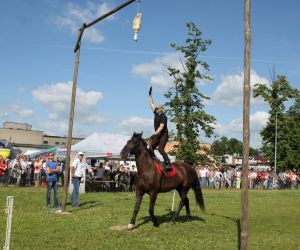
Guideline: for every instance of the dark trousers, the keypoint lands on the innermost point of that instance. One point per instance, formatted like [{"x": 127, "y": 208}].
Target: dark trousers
[{"x": 161, "y": 142}]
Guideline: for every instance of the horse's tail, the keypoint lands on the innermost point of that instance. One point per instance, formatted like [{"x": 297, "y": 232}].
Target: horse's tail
[{"x": 198, "y": 194}]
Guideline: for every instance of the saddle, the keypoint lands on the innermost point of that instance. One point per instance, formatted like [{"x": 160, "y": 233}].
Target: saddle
[{"x": 161, "y": 171}]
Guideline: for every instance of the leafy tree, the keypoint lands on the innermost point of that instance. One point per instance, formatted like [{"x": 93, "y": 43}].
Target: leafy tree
[
  {"x": 185, "y": 105},
  {"x": 277, "y": 95},
  {"x": 289, "y": 142},
  {"x": 231, "y": 146}
]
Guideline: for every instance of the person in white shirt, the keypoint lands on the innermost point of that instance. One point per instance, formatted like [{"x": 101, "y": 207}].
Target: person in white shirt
[
  {"x": 77, "y": 169},
  {"x": 203, "y": 177},
  {"x": 107, "y": 166}
]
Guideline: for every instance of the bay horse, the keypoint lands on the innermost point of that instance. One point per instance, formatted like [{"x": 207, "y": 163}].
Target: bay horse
[{"x": 148, "y": 180}]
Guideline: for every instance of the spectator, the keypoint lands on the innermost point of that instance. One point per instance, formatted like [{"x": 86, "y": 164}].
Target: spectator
[
  {"x": 238, "y": 178},
  {"x": 203, "y": 177},
  {"x": 133, "y": 172},
  {"x": 52, "y": 169},
  {"x": 89, "y": 171},
  {"x": 217, "y": 178},
  {"x": 107, "y": 166},
  {"x": 100, "y": 171},
  {"x": 294, "y": 179},
  {"x": 77, "y": 169},
  {"x": 38, "y": 165},
  {"x": 16, "y": 170},
  {"x": 62, "y": 172},
  {"x": 124, "y": 179},
  {"x": 3, "y": 167}
]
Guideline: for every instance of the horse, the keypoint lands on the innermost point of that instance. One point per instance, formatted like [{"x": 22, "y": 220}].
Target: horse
[{"x": 148, "y": 180}]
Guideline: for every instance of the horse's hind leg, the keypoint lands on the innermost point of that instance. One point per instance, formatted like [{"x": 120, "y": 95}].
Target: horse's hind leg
[
  {"x": 153, "y": 197},
  {"x": 186, "y": 204},
  {"x": 187, "y": 208},
  {"x": 182, "y": 202}
]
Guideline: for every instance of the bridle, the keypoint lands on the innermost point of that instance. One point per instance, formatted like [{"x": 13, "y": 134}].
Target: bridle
[{"x": 131, "y": 146}]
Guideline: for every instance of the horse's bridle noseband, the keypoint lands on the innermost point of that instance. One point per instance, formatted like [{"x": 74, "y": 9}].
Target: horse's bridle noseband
[{"x": 131, "y": 149}]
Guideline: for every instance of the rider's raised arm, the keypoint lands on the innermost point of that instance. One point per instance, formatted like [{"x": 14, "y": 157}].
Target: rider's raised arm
[
  {"x": 151, "y": 103},
  {"x": 151, "y": 100}
]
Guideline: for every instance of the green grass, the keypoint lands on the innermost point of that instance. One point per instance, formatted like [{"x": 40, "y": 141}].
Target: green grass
[{"x": 274, "y": 221}]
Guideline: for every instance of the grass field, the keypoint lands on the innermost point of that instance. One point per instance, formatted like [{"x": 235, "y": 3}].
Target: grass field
[{"x": 274, "y": 221}]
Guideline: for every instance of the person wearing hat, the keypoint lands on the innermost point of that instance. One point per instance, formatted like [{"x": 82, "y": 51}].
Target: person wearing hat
[
  {"x": 160, "y": 137},
  {"x": 77, "y": 169}
]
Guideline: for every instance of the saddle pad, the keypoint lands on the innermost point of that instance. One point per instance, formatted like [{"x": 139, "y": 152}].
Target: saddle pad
[{"x": 161, "y": 172}]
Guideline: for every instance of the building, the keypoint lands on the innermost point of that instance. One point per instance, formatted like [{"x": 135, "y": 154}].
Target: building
[
  {"x": 172, "y": 146},
  {"x": 257, "y": 162},
  {"x": 21, "y": 135}
]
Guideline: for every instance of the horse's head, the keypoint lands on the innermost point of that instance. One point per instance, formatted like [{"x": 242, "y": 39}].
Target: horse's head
[{"x": 131, "y": 146}]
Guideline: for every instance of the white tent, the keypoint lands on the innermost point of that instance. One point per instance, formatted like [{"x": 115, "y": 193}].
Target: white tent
[{"x": 101, "y": 145}]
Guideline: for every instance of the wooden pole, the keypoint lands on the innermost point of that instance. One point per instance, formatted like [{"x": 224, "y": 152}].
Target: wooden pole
[
  {"x": 71, "y": 119},
  {"x": 246, "y": 130},
  {"x": 74, "y": 87}
]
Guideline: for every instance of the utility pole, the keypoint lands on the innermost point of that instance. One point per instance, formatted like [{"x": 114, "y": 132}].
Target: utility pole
[
  {"x": 275, "y": 153},
  {"x": 246, "y": 129},
  {"x": 74, "y": 87}
]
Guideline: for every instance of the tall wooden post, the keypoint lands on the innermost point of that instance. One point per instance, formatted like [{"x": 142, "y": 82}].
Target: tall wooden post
[
  {"x": 246, "y": 130},
  {"x": 70, "y": 131},
  {"x": 74, "y": 88}
]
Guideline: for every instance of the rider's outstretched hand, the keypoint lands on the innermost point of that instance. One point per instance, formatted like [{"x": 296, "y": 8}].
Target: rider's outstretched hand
[{"x": 150, "y": 91}]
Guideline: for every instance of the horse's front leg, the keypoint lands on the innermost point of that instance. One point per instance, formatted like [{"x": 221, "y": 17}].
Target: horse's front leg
[
  {"x": 153, "y": 197},
  {"x": 138, "y": 200}
]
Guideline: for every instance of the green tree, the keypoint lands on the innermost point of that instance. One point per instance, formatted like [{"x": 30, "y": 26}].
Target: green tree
[
  {"x": 185, "y": 105},
  {"x": 231, "y": 146},
  {"x": 276, "y": 95},
  {"x": 289, "y": 142}
]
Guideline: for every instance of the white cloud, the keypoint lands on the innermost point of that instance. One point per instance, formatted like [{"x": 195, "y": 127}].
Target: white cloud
[
  {"x": 55, "y": 127},
  {"x": 234, "y": 128},
  {"x": 20, "y": 112},
  {"x": 137, "y": 124},
  {"x": 56, "y": 98},
  {"x": 155, "y": 72},
  {"x": 25, "y": 113},
  {"x": 230, "y": 90},
  {"x": 75, "y": 15},
  {"x": 3, "y": 114},
  {"x": 258, "y": 121}
]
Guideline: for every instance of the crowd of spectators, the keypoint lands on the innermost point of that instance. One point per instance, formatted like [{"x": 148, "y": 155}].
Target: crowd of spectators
[
  {"x": 104, "y": 178},
  {"x": 25, "y": 172},
  {"x": 229, "y": 177}
]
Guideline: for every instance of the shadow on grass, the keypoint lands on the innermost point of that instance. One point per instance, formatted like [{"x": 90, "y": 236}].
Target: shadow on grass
[
  {"x": 167, "y": 219},
  {"x": 85, "y": 205},
  {"x": 236, "y": 221}
]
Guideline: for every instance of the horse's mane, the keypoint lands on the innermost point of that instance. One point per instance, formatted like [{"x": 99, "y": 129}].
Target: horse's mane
[{"x": 144, "y": 142}]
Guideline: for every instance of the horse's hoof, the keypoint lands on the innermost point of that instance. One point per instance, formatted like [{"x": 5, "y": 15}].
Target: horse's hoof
[
  {"x": 156, "y": 224},
  {"x": 130, "y": 226}
]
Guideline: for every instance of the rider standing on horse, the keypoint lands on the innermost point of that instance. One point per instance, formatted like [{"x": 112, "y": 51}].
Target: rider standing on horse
[{"x": 160, "y": 136}]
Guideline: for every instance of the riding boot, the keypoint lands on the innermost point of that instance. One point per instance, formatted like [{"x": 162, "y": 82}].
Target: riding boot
[{"x": 168, "y": 166}]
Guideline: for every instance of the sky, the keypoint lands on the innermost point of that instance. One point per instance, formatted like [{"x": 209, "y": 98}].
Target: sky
[{"x": 115, "y": 72}]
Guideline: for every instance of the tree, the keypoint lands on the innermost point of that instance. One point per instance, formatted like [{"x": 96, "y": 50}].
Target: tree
[
  {"x": 289, "y": 142},
  {"x": 230, "y": 146},
  {"x": 185, "y": 105},
  {"x": 277, "y": 95}
]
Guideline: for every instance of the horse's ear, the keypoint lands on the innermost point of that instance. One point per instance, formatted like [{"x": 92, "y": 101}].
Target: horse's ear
[{"x": 141, "y": 133}]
